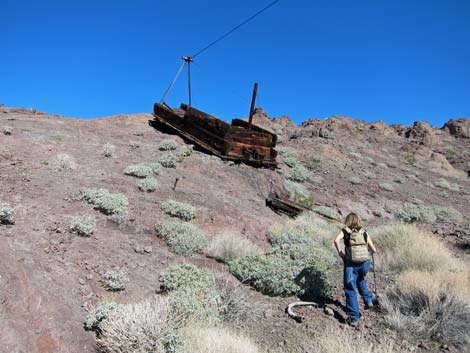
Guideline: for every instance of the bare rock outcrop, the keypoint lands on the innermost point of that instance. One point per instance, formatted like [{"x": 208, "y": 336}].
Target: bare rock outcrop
[{"x": 458, "y": 128}]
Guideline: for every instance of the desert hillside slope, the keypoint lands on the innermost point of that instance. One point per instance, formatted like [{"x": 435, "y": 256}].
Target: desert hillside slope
[{"x": 50, "y": 277}]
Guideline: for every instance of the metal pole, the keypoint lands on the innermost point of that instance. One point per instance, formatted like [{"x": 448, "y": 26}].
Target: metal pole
[
  {"x": 253, "y": 100},
  {"x": 173, "y": 83},
  {"x": 189, "y": 60}
]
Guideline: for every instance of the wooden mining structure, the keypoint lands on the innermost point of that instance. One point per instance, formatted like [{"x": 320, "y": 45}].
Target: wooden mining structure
[{"x": 240, "y": 141}]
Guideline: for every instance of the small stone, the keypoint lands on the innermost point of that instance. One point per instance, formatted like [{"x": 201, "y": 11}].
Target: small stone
[
  {"x": 139, "y": 249},
  {"x": 81, "y": 281},
  {"x": 328, "y": 311},
  {"x": 141, "y": 264},
  {"x": 89, "y": 277},
  {"x": 148, "y": 249}
]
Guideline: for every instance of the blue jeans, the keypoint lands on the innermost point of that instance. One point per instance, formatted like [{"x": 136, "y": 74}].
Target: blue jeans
[{"x": 355, "y": 275}]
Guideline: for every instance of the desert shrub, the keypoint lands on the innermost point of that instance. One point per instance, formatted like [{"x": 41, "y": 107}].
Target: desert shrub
[
  {"x": 101, "y": 312},
  {"x": 63, "y": 162},
  {"x": 357, "y": 155},
  {"x": 6, "y": 213},
  {"x": 355, "y": 180},
  {"x": 137, "y": 328},
  {"x": 168, "y": 161},
  {"x": 139, "y": 132},
  {"x": 138, "y": 170},
  {"x": 444, "y": 184},
  {"x": 327, "y": 212},
  {"x": 134, "y": 144},
  {"x": 217, "y": 340},
  {"x": 182, "y": 210},
  {"x": 311, "y": 161},
  {"x": 106, "y": 202},
  {"x": 114, "y": 280},
  {"x": 7, "y": 130},
  {"x": 291, "y": 161},
  {"x": 155, "y": 166},
  {"x": 447, "y": 214},
  {"x": 405, "y": 246},
  {"x": 295, "y": 189},
  {"x": 229, "y": 246},
  {"x": 192, "y": 293},
  {"x": 288, "y": 152},
  {"x": 182, "y": 238},
  {"x": 107, "y": 150},
  {"x": 296, "y": 264},
  {"x": 415, "y": 212},
  {"x": 168, "y": 145},
  {"x": 148, "y": 184},
  {"x": 83, "y": 225},
  {"x": 299, "y": 173},
  {"x": 386, "y": 186},
  {"x": 431, "y": 305},
  {"x": 184, "y": 152}
]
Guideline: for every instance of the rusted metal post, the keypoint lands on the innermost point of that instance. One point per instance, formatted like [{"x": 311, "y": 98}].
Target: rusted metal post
[
  {"x": 176, "y": 182},
  {"x": 253, "y": 100}
]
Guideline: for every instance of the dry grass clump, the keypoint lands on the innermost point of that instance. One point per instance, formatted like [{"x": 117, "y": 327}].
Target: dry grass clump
[
  {"x": 106, "y": 202},
  {"x": 148, "y": 184},
  {"x": 229, "y": 246},
  {"x": 216, "y": 340},
  {"x": 351, "y": 341},
  {"x": 405, "y": 246},
  {"x": 184, "y": 152},
  {"x": 386, "y": 187},
  {"x": 6, "y": 213},
  {"x": 7, "y": 130},
  {"x": 137, "y": 328},
  {"x": 64, "y": 162},
  {"x": 182, "y": 238},
  {"x": 182, "y": 210},
  {"x": 101, "y": 312},
  {"x": 298, "y": 193},
  {"x": 134, "y": 144},
  {"x": 444, "y": 184},
  {"x": 327, "y": 212},
  {"x": 84, "y": 225},
  {"x": 431, "y": 305}
]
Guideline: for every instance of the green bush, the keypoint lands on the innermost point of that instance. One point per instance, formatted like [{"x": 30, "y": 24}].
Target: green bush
[
  {"x": 192, "y": 293},
  {"x": 386, "y": 186},
  {"x": 291, "y": 161},
  {"x": 168, "y": 161},
  {"x": 298, "y": 193},
  {"x": 184, "y": 152},
  {"x": 327, "y": 212},
  {"x": 107, "y": 150},
  {"x": 182, "y": 238},
  {"x": 134, "y": 144},
  {"x": 148, "y": 184},
  {"x": 114, "y": 280},
  {"x": 416, "y": 212},
  {"x": 447, "y": 214},
  {"x": 444, "y": 184},
  {"x": 288, "y": 152},
  {"x": 139, "y": 132},
  {"x": 6, "y": 213},
  {"x": 106, "y": 202},
  {"x": 311, "y": 161},
  {"x": 102, "y": 312},
  {"x": 168, "y": 145},
  {"x": 83, "y": 225},
  {"x": 355, "y": 180},
  {"x": 182, "y": 210},
  {"x": 296, "y": 264},
  {"x": 7, "y": 130},
  {"x": 299, "y": 173},
  {"x": 155, "y": 166},
  {"x": 138, "y": 170}
]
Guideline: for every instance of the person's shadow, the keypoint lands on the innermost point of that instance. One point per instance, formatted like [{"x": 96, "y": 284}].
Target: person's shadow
[{"x": 313, "y": 284}]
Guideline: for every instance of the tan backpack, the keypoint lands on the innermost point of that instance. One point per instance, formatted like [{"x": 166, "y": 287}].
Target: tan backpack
[{"x": 355, "y": 241}]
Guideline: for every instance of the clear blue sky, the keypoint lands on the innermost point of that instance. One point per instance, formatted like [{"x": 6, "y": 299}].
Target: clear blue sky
[{"x": 398, "y": 61}]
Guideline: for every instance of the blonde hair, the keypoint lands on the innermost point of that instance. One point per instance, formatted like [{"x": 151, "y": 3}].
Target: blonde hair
[{"x": 353, "y": 221}]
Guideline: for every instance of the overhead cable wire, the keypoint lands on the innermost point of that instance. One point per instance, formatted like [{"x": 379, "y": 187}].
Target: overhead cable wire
[{"x": 235, "y": 28}]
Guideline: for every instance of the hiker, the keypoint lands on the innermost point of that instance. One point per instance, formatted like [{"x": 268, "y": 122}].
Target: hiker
[{"x": 356, "y": 259}]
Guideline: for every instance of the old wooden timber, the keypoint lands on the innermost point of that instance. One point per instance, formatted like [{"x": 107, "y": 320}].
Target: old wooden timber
[{"x": 241, "y": 141}]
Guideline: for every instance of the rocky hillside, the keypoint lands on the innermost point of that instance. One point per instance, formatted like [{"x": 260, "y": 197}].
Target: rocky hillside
[{"x": 50, "y": 277}]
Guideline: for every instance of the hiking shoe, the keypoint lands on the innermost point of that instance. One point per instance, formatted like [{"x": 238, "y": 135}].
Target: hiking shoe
[
  {"x": 352, "y": 323},
  {"x": 369, "y": 305}
]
